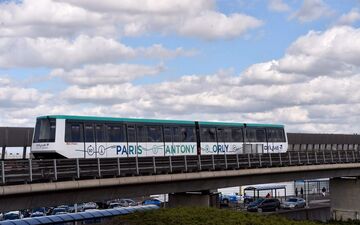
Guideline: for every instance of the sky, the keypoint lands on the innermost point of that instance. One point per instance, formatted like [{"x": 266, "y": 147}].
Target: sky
[{"x": 292, "y": 62}]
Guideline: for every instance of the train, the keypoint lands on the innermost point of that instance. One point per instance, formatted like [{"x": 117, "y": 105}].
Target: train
[{"x": 66, "y": 136}]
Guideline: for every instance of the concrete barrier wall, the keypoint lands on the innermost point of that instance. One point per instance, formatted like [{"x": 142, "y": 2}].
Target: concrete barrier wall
[{"x": 316, "y": 213}]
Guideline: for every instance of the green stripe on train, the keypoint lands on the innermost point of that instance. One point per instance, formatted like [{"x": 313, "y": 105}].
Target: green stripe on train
[{"x": 139, "y": 120}]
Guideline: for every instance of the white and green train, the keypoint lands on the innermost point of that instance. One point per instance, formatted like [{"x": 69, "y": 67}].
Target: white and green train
[{"x": 62, "y": 136}]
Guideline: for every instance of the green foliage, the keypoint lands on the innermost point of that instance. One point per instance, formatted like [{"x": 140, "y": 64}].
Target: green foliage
[{"x": 203, "y": 216}]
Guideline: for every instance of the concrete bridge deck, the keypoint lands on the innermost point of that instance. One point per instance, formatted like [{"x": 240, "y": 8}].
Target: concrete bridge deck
[{"x": 90, "y": 180}]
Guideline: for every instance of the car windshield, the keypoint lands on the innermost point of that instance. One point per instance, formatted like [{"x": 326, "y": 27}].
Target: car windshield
[
  {"x": 11, "y": 216},
  {"x": 59, "y": 210},
  {"x": 257, "y": 201},
  {"x": 292, "y": 200},
  {"x": 114, "y": 205},
  {"x": 39, "y": 210}
]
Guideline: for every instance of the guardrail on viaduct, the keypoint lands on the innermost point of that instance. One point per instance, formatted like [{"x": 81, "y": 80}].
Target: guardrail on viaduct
[{"x": 52, "y": 170}]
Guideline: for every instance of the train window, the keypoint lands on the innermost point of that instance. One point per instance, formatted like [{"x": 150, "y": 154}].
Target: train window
[
  {"x": 260, "y": 135},
  {"x": 208, "y": 134},
  {"x": 187, "y": 134},
  {"x": 167, "y": 134},
  {"x": 237, "y": 135},
  {"x": 100, "y": 133},
  {"x": 224, "y": 134},
  {"x": 89, "y": 133},
  {"x": 116, "y": 133},
  {"x": 74, "y": 132},
  {"x": 281, "y": 135},
  {"x": 250, "y": 135},
  {"x": 142, "y": 134},
  {"x": 45, "y": 130},
  {"x": 275, "y": 135},
  {"x": 155, "y": 134},
  {"x": 131, "y": 133},
  {"x": 176, "y": 134}
]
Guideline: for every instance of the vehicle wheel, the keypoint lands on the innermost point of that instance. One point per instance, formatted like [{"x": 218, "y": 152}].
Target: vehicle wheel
[
  {"x": 260, "y": 210},
  {"x": 277, "y": 209},
  {"x": 226, "y": 202}
]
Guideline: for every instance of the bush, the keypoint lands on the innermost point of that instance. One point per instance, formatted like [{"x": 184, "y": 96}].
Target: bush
[{"x": 202, "y": 216}]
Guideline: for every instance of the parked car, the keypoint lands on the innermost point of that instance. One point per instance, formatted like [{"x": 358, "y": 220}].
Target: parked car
[
  {"x": 294, "y": 202},
  {"x": 37, "y": 212},
  {"x": 59, "y": 211},
  {"x": 13, "y": 215},
  {"x": 152, "y": 201},
  {"x": 264, "y": 204},
  {"x": 114, "y": 205},
  {"x": 227, "y": 199},
  {"x": 125, "y": 202},
  {"x": 66, "y": 207},
  {"x": 90, "y": 206}
]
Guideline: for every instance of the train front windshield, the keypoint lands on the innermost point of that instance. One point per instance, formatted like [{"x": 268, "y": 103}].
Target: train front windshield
[{"x": 45, "y": 130}]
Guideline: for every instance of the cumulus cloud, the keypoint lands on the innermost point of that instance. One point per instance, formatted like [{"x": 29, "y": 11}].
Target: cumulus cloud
[
  {"x": 91, "y": 75},
  {"x": 349, "y": 18},
  {"x": 194, "y": 19},
  {"x": 332, "y": 53},
  {"x": 268, "y": 73},
  {"x": 213, "y": 25},
  {"x": 265, "y": 92},
  {"x": 312, "y": 10},
  {"x": 68, "y": 18},
  {"x": 14, "y": 96},
  {"x": 48, "y": 18},
  {"x": 59, "y": 52},
  {"x": 278, "y": 6},
  {"x": 313, "y": 87},
  {"x": 103, "y": 94}
]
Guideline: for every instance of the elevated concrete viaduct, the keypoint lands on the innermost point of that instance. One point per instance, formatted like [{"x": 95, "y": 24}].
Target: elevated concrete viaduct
[{"x": 69, "y": 192}]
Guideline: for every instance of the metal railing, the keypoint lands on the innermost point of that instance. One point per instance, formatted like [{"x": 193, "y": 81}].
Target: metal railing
[{"x": 52, "y": 170}]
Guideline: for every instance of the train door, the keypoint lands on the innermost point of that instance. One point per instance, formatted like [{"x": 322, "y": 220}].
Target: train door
[
  {"x": 89, "y": 141},
  {"x": 142, "y": 141},
  {"x": 155, "y": 140},
  {"x": 237, "y": 141},
  {"x": 276, "y": 140},
  {"x": 262, "y": 144},
  {"x": 250, "y": 141},
  {"x": 100, "y": 140},
  {"x": 222, "y": 146},
  {"x": 208, "y": 140},
  {"x": 168, "y": 141},
  {"x": 132, "y": 145}
]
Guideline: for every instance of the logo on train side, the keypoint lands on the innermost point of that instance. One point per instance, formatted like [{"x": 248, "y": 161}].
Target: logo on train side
[
  {"x": 91, "y": 150},
  {"x": 216, "y": 148},
  {"x": 273, "y": 147},
  {"x": 42, "y": 146}
]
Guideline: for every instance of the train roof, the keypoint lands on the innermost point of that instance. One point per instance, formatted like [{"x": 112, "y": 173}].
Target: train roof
[{"x": 140, "y": 120}]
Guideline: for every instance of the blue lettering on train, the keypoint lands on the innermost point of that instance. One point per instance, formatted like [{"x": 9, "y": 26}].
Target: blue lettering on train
[
  {"x": 131, "y": 150},
  {"x": 177, "y": 149},
  {"x": 220, "y": 148},
  {"x": 216, "y": 148}
]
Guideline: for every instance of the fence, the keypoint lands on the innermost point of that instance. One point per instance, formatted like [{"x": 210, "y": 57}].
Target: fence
[{"x": 45, "y": 170}]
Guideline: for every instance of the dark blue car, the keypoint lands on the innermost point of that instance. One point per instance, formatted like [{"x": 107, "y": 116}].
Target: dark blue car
[{"x": 152, "y": 202}]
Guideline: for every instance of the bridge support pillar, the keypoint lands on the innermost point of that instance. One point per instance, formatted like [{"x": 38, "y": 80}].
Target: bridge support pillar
[
  {"x": 345, "y": 198},
  {"x": 201, "y": 198}
]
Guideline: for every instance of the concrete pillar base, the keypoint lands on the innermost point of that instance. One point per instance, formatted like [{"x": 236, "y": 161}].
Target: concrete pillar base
[
  {"x": 345, "y": 198},
  {"x": 204, "y": 199}
]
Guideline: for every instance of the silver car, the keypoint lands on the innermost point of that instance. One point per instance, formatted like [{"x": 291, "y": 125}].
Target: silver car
[{"x": 293, "y": 203}]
